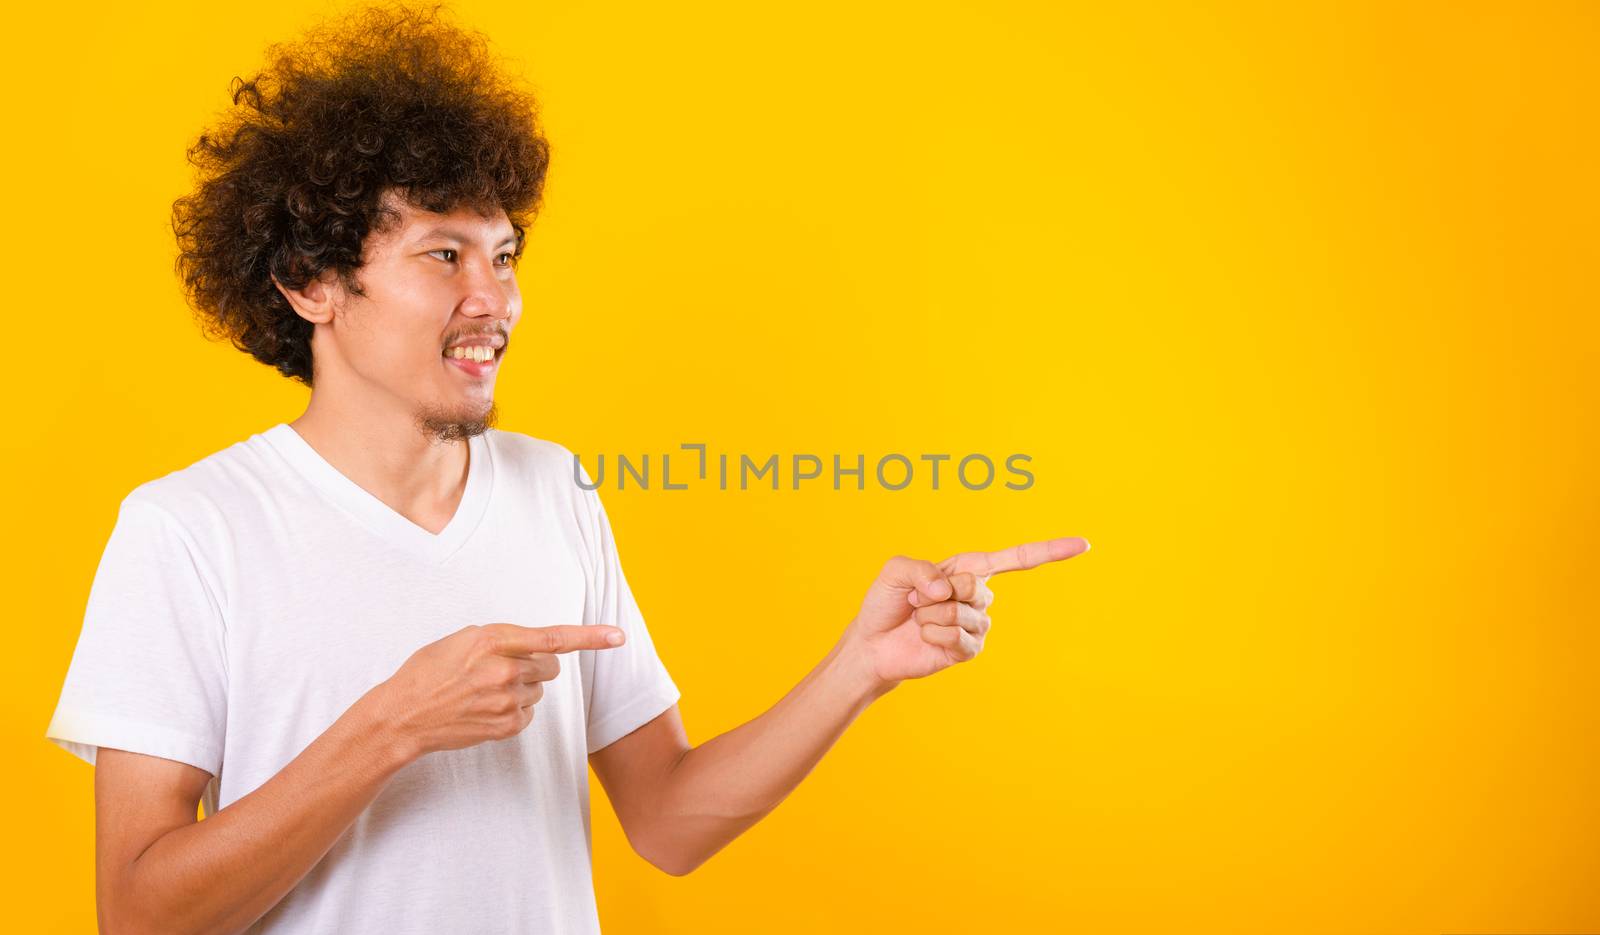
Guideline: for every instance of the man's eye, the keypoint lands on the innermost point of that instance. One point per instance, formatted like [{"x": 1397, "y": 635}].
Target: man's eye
[{"x": 509, "y": 258}]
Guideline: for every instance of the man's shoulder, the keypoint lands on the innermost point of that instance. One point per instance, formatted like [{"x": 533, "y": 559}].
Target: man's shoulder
[
  {"x": 209, "y": 488},
  {"x": 524, "y": 446},
  {"x": 538, "y": 457}
]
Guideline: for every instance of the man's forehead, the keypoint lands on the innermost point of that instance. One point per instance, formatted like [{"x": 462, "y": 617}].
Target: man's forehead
[{"x": 462, "y": 223}]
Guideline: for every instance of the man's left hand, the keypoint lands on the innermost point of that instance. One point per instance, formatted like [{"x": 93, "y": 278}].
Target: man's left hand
[{"x": 919, "y": 617}]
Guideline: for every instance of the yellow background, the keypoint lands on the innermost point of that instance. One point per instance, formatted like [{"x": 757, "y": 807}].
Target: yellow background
[{"x": 1292, "y": 305}]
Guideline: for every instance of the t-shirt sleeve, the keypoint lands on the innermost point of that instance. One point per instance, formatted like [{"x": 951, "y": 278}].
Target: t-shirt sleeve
[
  {"x": 149, "y": 673},
  {"x": 630, "y": 685}
]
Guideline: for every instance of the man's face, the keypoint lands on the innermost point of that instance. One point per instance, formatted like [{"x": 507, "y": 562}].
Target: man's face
[{"x": 433, "y": 282}]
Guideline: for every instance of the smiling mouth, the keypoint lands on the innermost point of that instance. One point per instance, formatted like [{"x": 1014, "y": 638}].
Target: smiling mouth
[{"x": 477, "y": 360}]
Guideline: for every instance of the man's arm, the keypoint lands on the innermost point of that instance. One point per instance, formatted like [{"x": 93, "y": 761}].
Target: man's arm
[
  {"x": 159, "y": 870},
  {"x": 680, "y": 805}
]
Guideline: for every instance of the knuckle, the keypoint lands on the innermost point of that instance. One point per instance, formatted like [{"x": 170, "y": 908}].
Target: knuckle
[{"x": 489, "y": 672}]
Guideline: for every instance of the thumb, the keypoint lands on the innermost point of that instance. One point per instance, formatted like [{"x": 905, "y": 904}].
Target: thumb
[{"x": 908, "y": 576}]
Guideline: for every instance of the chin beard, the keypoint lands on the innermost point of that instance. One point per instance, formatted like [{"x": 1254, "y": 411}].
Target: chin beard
[{"x": 445, "y": 426}]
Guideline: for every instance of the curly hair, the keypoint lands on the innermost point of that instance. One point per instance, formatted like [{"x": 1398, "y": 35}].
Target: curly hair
[{"x": 294, "y": 177}]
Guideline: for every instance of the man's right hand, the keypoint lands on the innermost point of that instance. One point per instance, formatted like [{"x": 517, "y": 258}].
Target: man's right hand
[{"x": 480, "y": 683}]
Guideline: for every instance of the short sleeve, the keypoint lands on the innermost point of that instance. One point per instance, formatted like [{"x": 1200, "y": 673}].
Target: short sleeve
[
  {"x": 630, "y": 685},
  {"x": 149, "y": 672}
]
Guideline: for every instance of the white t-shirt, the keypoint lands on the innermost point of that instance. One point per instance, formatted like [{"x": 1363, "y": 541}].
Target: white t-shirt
[{"x": 245, "y": 602}]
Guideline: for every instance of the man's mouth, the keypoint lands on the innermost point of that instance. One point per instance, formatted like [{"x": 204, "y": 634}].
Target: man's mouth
[{"x": 477, "y": 360}]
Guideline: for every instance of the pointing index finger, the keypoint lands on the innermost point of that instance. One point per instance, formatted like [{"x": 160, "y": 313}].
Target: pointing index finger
[
  {"x": 1017, "y": 557},
  {"x": 513, "y": 640}
]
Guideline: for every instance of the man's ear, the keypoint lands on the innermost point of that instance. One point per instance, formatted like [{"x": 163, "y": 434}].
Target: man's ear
[{"x": 317, "y": 300}]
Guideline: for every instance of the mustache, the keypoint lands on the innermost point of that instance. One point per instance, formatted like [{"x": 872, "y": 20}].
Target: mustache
[{"x": 494, "y": 333}]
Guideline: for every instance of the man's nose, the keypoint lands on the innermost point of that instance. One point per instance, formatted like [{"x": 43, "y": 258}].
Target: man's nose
[{"x": 487, "y": 293}]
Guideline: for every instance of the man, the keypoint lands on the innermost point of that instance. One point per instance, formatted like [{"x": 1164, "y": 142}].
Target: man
[{"x": 344, "y": 635}]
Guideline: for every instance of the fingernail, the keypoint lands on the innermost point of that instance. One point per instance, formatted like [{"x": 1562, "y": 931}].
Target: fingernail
[
  {"x": 614, "y": 638},
  {"x": 940, "y": 588}
]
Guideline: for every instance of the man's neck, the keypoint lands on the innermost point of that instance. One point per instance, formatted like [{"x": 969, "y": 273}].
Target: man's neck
[{"x": 419, "y": 477}]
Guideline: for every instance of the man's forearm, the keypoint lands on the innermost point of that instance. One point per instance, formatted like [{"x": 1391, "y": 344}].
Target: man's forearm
[
  {"x": 223, "y": 873},
  {"x": 722, "y": 787}
]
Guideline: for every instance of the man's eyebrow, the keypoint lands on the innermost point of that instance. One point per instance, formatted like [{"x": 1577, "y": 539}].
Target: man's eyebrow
[{"x": 454, "y": 234}]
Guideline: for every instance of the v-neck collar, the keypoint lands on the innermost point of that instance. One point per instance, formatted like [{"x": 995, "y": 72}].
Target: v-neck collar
[{"x": 378, "y": 516}]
